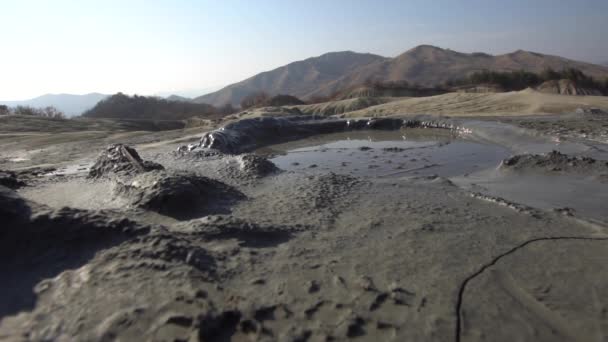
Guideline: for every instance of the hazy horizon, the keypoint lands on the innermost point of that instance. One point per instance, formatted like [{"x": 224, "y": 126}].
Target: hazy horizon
[{"x": 183, "y": 47}]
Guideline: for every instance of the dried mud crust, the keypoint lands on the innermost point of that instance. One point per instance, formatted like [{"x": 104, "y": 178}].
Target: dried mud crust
[
  {"x": 123, "y": 160},
  {"x": 178, "y": 194},
  {"x": 541, "y": 296},
  {"x": 78, "y": 274},
  {"x": 586, "y": 126},
  {"x": 38, "y": 242},
  {"x": 556, "y": 162},
  {"x": 304, "y": 258}
]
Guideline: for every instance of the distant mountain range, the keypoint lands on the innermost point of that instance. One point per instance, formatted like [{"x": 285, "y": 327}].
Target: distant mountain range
[
  {"x": 69, "y": 104},
  {"x": 178, "y": 98},
  {"x": 425, "y": 65}
]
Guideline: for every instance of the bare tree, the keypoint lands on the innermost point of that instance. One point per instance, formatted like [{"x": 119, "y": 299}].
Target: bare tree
[
  {"x": 52, "y": 112},
  {"x": 253, "y": 100}
]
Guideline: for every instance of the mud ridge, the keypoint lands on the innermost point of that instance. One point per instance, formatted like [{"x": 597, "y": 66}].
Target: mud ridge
[
  {"x": 463, "y": 285},
  {"x": 520, "y": 208},
  {"x": 249, "y": 134}
]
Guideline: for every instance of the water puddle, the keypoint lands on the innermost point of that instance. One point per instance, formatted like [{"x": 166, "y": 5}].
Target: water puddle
[{"x": 387, "y": 153}]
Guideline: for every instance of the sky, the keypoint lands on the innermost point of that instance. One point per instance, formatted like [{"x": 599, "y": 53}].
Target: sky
[{"x": 191, "y": 47}]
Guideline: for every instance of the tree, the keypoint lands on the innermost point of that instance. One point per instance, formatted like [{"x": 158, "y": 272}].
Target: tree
[
  {"x": 4, "y": 110},
  {"x": 25, "y": 110},
  {"x": 51, "y": 112},
  {"x": 254, "y": 100},
  {"x": 227, "y": 109},
  {"x": 143, "y": 107},
  {"x": 550, "y": 75},
  {"x": 283, "y": 100}
]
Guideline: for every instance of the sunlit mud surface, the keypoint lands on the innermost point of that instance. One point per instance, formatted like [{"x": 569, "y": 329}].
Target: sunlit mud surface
[
  {"x": 387, "y": 153},
  {"x": 389, "y": 235}
]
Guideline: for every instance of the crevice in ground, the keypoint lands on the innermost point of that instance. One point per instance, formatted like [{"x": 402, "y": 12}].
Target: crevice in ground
[{"x": 494, "y": 261}]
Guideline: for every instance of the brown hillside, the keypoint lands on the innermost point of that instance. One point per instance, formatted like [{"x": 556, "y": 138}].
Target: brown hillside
[
  {"x": 425, "y": 65},
  {"x": 566, "y": 87}
]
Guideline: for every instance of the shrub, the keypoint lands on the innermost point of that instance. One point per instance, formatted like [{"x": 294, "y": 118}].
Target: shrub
[
  {"x": 143, "y": 107},
  {"x": 47, "y": 112},
  {"x": 256, "y": 99}
]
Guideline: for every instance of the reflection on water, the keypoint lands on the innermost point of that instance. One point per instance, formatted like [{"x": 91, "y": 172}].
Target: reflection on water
[{"x": 387, "y": 153}]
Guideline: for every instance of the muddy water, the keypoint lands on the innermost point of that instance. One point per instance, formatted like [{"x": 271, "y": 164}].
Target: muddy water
[
  {"x": 470, "y": 161},
  {"x": 387, "y": 153}
]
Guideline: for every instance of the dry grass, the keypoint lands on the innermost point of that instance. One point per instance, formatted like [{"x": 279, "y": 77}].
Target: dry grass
[{"x": 525, "y": 102}]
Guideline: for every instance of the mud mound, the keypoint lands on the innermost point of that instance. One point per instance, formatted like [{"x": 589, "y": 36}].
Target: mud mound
[
  {"x": 121, "y": 159},
  {"x": 555, "y": 162},
  {"x": 249, "y": 234},
  {"x": 315, "y": 200},
  {"x": 248, "y": 134},
  {"x": 256, "y": 166},
  {"x": 179, "y": 195},
  {"x": 592, "y": 111},
  {"x": 9, "y": 179}
]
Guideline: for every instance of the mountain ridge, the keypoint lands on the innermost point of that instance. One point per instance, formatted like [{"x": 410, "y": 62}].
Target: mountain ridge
[{"x": 426, "y": 65}]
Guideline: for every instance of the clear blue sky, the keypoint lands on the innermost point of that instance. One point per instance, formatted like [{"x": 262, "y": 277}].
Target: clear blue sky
[{"x": 188, "y": 46}]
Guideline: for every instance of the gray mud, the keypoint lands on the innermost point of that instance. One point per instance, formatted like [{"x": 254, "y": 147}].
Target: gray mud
[
  {"x": 225, "y": 246},
  {"x": 395, "y": 153}
]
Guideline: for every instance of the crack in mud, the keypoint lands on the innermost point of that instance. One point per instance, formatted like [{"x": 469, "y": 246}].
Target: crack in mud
[{"x": 463, "y": 285}]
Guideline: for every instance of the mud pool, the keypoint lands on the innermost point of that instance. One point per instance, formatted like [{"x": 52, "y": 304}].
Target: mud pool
[{"x": 387, "y": 153}]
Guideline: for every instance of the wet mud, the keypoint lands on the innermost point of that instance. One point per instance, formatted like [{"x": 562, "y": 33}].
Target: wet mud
[{"x": 229, "y": 240}]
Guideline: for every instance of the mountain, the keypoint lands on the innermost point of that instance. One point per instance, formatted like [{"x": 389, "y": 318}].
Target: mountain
[
  {"x": 69, "y": 104},
  {"x": 297, "y": 78},
  {"x": 425, "y": 65},
  {"x": 178, "y": 98}
]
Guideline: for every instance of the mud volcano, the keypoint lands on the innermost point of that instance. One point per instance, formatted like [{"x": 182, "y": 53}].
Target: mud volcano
[{"x": 292, "y": 229}]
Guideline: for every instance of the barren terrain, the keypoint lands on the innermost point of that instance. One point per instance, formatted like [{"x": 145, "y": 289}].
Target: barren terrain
[{"x": 157, "y": 240}]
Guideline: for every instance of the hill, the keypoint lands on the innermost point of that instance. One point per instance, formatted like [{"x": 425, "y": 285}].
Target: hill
[
  {"x": 121, "y": 106},
  {"x": 69, "y": 104},
  {"x": 178, "y": 98},
  {"x": 525, "y": 102},
  {"x": 297, "y": 78},
  {"x": 566, "y": 87},
  {"x": 424, "y": 65}
]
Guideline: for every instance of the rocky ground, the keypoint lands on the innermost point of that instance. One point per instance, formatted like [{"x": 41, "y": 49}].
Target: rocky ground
[{"x": 152, "y": 244}]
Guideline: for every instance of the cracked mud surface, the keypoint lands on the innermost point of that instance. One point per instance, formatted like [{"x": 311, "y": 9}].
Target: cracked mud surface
[{"x": 281, "y": 255}]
